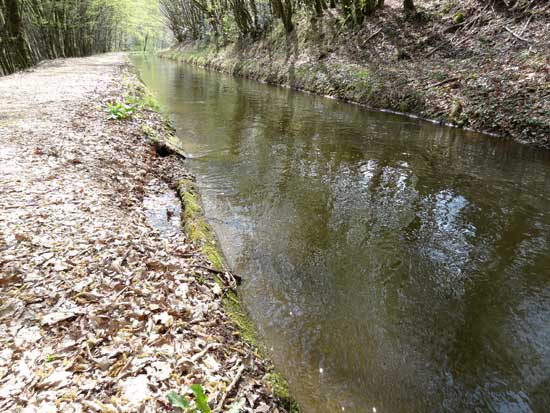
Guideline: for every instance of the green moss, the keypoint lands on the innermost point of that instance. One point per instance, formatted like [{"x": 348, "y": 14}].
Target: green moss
[
  {"x": 233, "y": 307},
  {"x": 150, "y": 132},
  {"x": 249, "y": 333},
  {"x": 215, "y": 256},
  {"x": 281, "y": 390},
  {"x": 362, "y": 74},
  {"x": 196, "y": 226}
]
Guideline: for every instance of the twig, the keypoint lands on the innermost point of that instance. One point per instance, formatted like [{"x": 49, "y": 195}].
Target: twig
[
  {"x": 121, "y": 371},
  {"x": 515, "y": 35},
  {"x": 232, "y": 280},
  {"x": 188, "y": 255},
  {"x": 443, "y": 82},
  {"x": 526, "y": 24},
  {"x": 199, "y": 355},
  {"x": 437, "y": 48},
  {"x": 87, "y": 346},
  {"x": 371, "y": 36},
  {"x": 119, "y": 293},
  {"x": 444, "y": 43},
  {"x": 467, "y": 24},
  {"x": 219, "y": 407},
  {"x": 204, "y": 267}
]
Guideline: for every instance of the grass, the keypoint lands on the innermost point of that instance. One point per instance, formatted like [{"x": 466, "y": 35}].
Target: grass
[{"x": 143, "y": 99}]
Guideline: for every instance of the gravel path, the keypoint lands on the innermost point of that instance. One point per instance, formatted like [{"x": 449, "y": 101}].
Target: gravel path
[{"x": 100, "y": 308}]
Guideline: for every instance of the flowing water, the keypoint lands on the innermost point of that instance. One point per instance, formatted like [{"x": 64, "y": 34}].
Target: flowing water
[{"x": 388, "y": 263}]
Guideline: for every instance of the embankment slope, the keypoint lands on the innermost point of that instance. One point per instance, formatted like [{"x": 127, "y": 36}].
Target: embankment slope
[{"x": 469, "y": 64}]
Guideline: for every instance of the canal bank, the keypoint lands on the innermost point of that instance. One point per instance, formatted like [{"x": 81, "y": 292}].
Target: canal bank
[
  {"x": 474, "y": 74},
  {"x": 106, "y": 304}
]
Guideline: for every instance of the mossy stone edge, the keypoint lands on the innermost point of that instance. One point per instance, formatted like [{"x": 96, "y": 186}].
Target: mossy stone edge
[{"x": 200, "y": 232}]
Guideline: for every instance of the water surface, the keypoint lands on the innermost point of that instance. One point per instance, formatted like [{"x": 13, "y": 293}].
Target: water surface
[{"x": 387, "y": 262}]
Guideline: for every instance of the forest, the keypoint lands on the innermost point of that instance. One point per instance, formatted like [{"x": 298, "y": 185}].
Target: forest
[
  {"x": 36, "y": 30},
  {"x": 231, "y": 19},
  {"x": 193, "y": 19}
]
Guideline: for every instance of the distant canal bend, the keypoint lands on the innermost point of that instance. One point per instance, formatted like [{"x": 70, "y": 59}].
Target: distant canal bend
[{"x": 389, "y": 263}]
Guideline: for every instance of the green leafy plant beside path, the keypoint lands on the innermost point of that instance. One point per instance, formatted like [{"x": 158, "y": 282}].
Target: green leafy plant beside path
[
  {"x": 119, "y": 110},
  {"x": 200, "y": 404}
]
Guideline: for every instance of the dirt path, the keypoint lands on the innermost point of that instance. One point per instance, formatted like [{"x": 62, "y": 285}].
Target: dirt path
[{"x": 99, "y": 309}]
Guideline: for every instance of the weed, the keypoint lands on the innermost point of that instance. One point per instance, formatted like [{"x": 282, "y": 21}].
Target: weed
[
  {"x": 459, "y": 18},
  {"x": 362, "y": 74},
  {"x": 118, "y": 110},
  {"x": 440, "y": 75},
  {"x": 52, "y": 357},
  {"x": 200, "y": 402},
  {"x": 143, "y": 100},
  {"x": 448, "y": 6}
]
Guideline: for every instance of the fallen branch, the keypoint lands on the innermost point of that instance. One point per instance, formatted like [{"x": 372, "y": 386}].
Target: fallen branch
[
  {"x": 516, "y": 35},
  {"x": 444, "y": 43},
  {"x": 200, "y": 355},
  {"x": 443, "y": 82},
  {"x": 234, "y": 382},
  {"x": 526, "y": 24},
  {"x": 204, "y": 267},
  {"x": 371, "y": 36}
]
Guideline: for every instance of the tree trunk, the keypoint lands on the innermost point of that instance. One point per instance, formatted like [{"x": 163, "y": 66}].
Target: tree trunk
[
  {"x": 408, "y": 6},
  {"x": 283, "y": 10},
  {"x": 14, "y": 28}
]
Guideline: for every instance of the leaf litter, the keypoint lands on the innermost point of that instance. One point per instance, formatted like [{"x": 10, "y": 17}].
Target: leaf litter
[{"x": 101, "y": 309}]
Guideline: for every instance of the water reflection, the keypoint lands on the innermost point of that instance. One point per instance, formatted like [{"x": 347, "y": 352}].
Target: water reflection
[{"x": 387, "y": 262}]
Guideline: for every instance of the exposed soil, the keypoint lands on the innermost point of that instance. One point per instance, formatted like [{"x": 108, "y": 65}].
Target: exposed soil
[
  {"x": 104, "y": 305},
  {"x": 469, "y": 63}
]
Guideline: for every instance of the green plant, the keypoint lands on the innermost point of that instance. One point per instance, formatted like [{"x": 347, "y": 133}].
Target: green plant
[
  {"x": 143, "y": 100},
  {"x": 459, "y": 18},
  {"x": 448, "y": 6},
  {"x": 200, "y": 404},
  {"x": 439, "y": 75},
  {"x": 118, "y": 110}
]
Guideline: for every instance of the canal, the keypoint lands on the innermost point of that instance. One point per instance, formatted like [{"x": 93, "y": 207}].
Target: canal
[{"x": 388, "y": 263}]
